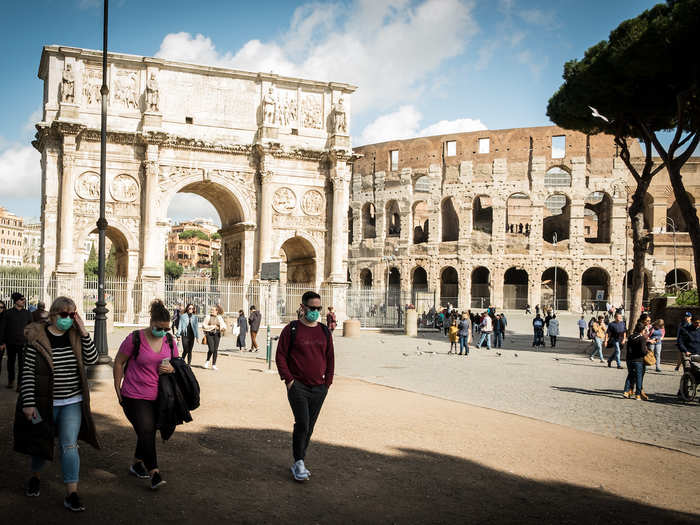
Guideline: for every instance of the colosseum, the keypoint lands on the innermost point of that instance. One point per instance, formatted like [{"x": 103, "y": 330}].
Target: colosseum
[{"x": 504, "y": 218}]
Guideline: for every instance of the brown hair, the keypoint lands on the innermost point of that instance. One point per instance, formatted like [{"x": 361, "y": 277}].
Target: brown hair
[
  {"x": 61, "y": 303},
  {"x": 159, "y": 313}
]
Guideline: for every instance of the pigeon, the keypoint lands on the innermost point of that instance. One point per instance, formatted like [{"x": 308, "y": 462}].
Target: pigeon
[
  {"x": 556, "y": 358},
  {"x": 515, "y": 355},
  {"x": 404, "y": 354},
  {"x": 430, "y": 343},
  {"x": 419, "y": 352},
  {"x": 595, "y": 113},
  {"x": 381, "y": 341},
  {"x": 498, "y": 354}
]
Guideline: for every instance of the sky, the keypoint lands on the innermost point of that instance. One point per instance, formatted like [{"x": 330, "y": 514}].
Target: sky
[{"x": 422, "y": 67}]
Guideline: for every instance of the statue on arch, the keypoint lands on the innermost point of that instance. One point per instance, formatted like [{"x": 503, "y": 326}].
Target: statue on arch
[
  {"x": 152, "y": 93},
  {"x": 269, "y": 106},
  {"x": 339, "y": 117},
  {"x": 68, "y": 85}
]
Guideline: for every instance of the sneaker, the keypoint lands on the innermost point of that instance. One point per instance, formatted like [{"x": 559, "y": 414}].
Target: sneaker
[
  {"x": 602, "y": 361},
  {"x": 637, "y": 397},
  {"x": 590, "y": 357},
  {"x": 619, "y": 367},
  {"x": 299, "y": 471},
  {"x": 73, "y": 503},
  {"x": 206, "y": 365},
  {"x": 643, "y": 396},
  {"x": 33, "y": 487},
  {"x": 156, "y": 481},
  {"x": 214, "y": 367},
  {"x": 627, "y": 394},
  {"x": 139, "y": 470}
]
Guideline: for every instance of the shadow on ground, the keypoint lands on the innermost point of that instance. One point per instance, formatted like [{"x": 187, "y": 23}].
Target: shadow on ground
[
  {"x": 242, "y": 475},
  {"x": 662, "y": 399}
]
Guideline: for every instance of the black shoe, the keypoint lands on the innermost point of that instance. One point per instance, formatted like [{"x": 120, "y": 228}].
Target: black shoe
[
  {"x": 156, "y": 481},
  {"x": 73, "y": 503},
  {"x": 609, "y": 364},
  {"x": 139, "y": 470},
  {"x": 33, "y": 487},
  {"x": 619, "y": 367}
]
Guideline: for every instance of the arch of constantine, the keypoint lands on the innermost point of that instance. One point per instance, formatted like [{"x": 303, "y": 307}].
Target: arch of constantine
[{"x": 272, "y": 154}]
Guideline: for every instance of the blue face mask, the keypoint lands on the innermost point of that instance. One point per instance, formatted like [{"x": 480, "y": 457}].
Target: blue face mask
[
  {"x": 64, "y": 323},
  {"x": 312, "y": 315},
  {"x": 158, "y": 333}
]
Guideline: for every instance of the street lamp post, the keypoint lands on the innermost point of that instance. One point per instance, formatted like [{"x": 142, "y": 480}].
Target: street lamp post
[
  {"x": 101, "y": 306},
  {"x": 669, "y": 221},
  {"x": 554, "y": 242}
]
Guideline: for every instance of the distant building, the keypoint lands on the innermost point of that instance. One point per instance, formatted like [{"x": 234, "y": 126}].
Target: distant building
[
  {"x": 193, "y": 253},
  {"x": 11, "y": 233},
  {"x": 31, "y": 244}
]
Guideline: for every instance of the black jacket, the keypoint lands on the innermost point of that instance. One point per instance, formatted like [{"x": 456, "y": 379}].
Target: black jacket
[
  {"x": 636, "y": 347},
  {"x": 12, "y": 326},
  {"x": 172, "y": 408}
]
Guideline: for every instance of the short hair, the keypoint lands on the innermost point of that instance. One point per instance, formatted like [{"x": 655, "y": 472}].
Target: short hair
[
  {"x": 61, "y": 303},
  {"x": 159, "y": 313},
  {"x": 308, "y": 296}
]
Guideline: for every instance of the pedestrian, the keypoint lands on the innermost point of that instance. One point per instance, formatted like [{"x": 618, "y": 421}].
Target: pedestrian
[
  {"x": 55, "y": 397},
  {"x": 254, "y": 319},
  {"x": 40, "y": 315},
  {"x": 656, "y": 340},
  {"x": 499, "y": 330},
  {"x": 537, "y": 309},
  {"x": 137, "y": 386},
  {"x": 689, "y": 342},
  {"x": 636, "y": 350},
  {"x": 213, "y": 327},
  {"x": 177, "y": 313},
  {"x": 242, "y": 332},
  {"x": 599, "y": 329},
  {"x": 581, "y": 328},
  {"x": 12, "y": 336},
  {"x": 528, "y": 310},
  {"x": 453, "y": 336},
  {"x": 331, "y": 320},
  {"x": 538, "y": 328},
  {"x": 188, "y": 329},
  {"x": 615, "y": 338},
  {"x": 305, "y": 361},
  {"x": 465, "y": 330},
  {"x": 553, "y": 330},
  {"x": 685, "y": 323},
  {"x": 486, "y": 328}
]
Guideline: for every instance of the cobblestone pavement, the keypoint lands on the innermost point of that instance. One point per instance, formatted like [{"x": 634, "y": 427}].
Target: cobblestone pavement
[{"x": 559, "y": 385}]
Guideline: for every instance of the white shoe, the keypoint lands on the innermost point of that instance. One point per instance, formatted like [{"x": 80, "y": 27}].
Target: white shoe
[
  {"x": 299, "y": 471},
  {"x": 214, "y": 367},
  {"x": 206, "y": 365}
]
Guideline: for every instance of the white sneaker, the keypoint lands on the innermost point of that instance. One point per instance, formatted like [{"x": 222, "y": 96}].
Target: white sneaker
[
  {"x": 299, "y": 471},
  {"x": 214, "y": 367},
  {"x": 206, "y": 365}
]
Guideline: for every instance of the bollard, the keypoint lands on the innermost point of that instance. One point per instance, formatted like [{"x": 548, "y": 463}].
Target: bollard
[{"x": 269, "y": 349}]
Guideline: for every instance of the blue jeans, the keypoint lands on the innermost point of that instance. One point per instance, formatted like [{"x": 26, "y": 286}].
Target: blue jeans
[
  {"x": 485, "y": 336},
  {"x": 67, "y": 420},
  {"x": 635, "y": 375},
  {"x": 464, "y": 344},
  {"x": 499, "y": 339},
  {"x": 657, "y": 354},
  {"x": 597, "y": 347},
  {"x": 616, "y": 354}
]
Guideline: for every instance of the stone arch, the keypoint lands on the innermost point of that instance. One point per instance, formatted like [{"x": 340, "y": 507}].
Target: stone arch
[
  {"x": 299, "y": 262},
  {"x": 421, "y": 184},
  {"x": 421, "y": 222},
  {"x": 557, "y": 177},
  {"x": 121, "y": 237},
  {"x": 450, "y": 220},
  {"x": 673, "y": 212},
  {"x": 393, "y": 219},
  {"x": 449, "y": 286},
  {"x": 481, "y": 287},
  {"x": 515, "y": 288},
  {"x": 518, "y": 214},
  {"x": 595, "y": 282},
  {"x": 419, "y": 280},
  {"x": 547, "y": 290},
  {"x": 597, "y": 217},
  {"x": 482, "y": 214},
  {"x": 678, "y": 275},
  {"x": 557, "y": 217},
  {"x": 628, "y": 282},
  {"x": 366, "y": 280}
]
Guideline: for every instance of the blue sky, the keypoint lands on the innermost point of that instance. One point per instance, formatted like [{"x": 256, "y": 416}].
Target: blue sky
[{"x": 421, "y": 67}]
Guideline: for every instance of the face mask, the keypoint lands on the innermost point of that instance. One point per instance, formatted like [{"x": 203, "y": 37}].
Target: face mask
[
  {"x": 64, "y": 323},
  {"x": 312, "y": 316},
  {"x": 157, "y": 333}
]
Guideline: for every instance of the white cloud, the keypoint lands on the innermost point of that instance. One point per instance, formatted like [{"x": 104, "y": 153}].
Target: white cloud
[
  {"x": 29, "y": 129},
  {"x": 405, "y": 123},
  {"x": 535, "y": 64},
  {"x": 538, "y": 17},
  {"x": 20, "y": 172},
  {"x": 389, "y": 48}
]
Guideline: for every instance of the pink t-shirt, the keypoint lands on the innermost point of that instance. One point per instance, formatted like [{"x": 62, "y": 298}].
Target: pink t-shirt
[{"x": 141, "y": 376}]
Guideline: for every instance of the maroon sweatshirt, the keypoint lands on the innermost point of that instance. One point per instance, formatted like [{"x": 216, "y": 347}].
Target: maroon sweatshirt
[{"x": 311, "y": 361}]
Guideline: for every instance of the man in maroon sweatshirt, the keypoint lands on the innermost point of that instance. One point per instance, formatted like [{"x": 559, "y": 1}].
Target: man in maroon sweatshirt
[{"x": 305, "y": 363}]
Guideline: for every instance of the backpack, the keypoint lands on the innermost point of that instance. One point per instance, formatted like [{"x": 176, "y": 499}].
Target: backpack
[{"x": 293, "y": 334}]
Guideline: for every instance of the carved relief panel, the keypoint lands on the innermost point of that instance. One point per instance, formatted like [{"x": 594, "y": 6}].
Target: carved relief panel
[
  {"x": 87, "y": 186},
  {"x": 312, "y": 110},
  {"x": 312, "y": 202},
  {"x": 92, "y": 82},
  {"x": 124, "y": 188},
  {"x": 232, "y": 260},
  {"x": 125, "y": 89},
  {"x": 284, "y": 201}
]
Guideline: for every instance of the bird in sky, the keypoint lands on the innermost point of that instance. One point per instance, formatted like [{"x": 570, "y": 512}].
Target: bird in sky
[{"x": 595, "y": 113}]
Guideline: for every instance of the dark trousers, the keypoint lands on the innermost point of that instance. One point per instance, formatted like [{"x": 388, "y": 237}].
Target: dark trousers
[
  {"x": 141, "y": 413},
  {"x": 499, "y": 339},
  {"x": 15, "y": 354},
  {"x": 306, "y": 402},
  {"x": 253, "y": 340},
  {"x": 213, "y": 339},
  {"x": 635, "y": 376},
  {"x": 187, "y": 344},
  {"x": 553, "y": 339},
  {"x": 580, "y": 332}
]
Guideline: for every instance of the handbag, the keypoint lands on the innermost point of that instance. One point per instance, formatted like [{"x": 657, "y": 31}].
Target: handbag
[
  {"x": 649, "y": 358},
  {"x": 236, "y": 331},
  {"x": 204, "y": 340}
]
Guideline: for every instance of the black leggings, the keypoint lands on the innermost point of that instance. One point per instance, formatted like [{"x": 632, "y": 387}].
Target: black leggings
[
  {"x": 213, "y": 339},
  {"x": 187, "y": 344},
  {"x": 141, "y": 413}
]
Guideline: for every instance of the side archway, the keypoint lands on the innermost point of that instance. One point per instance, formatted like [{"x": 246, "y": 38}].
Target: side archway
[
  {"x": 480, "y": 288},
  {"x": 595, "y": 287},
  {"x": 561, "y": 277},
  {"x": 450, "y": 221},
  {"x": 515, "y": 283},
  {"x": 449, "y": 286}
]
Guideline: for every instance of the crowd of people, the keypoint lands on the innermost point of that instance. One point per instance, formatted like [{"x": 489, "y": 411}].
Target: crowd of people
[{"x": 470, "y": 328}]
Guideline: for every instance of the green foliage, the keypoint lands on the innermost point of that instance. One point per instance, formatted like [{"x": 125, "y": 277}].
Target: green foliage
[
  {"x": 111, "y": 262},
  {"x": 215, "y": 265},
  {"x": 216, "y": 236},
  {"x": 688, "y": 298},
  {"x": 188, "y": 234},
  {"x": 19, "y": 271},
  {"x": 173, "y": 270},
  {"x": 90, "y": 266}
]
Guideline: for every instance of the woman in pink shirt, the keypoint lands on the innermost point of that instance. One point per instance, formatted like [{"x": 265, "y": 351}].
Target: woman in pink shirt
[{"x": 136, "y": 382}]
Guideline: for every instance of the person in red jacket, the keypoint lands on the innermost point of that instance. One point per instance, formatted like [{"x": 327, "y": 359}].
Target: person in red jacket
[{"x": 305, "y": 362}]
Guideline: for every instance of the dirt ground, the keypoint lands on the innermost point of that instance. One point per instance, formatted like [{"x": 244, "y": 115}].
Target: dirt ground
[{"x": 379, "y": 455}]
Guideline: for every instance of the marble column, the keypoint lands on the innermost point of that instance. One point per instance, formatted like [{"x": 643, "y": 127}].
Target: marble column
[
  {"x": 152, "y": 249},
  {"x": 339, "y": 247},
  {"x": 265, "y": 237},
  {"x": 66, "y": 231}
]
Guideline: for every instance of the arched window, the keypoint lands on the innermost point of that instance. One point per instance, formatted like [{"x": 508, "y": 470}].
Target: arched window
[
  {"x": 557, "y": 215},
  {"x": 482, "y": 212},
  {"x": 421, "y": 222},
  {"x": 393, "y": 219},
  {"x": 369, "y": 221},
  {"x": 597, "y": 217},
  {"x": 557, "y": 177},
  {"x": 450, "y": 221}
]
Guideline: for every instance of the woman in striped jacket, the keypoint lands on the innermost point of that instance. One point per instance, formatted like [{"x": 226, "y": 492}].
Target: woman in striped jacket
[{"x": 55, "y": 398}]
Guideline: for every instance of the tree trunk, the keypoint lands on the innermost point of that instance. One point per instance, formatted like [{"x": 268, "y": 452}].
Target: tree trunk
[
  {"x": 690, "y": 215},
  {"x": 640, "y": 244}
]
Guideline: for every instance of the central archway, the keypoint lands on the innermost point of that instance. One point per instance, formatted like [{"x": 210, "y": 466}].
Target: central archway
[
  {"x": 298, "y": 261},
  {"x": 449, "y": 287},
  {"x": 481, "y": 289},
  {"x": 562, "y": 286},
  {"x": 515, "y": 289}
]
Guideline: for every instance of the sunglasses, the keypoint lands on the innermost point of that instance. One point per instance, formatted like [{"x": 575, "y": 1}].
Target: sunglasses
[
  {"x": 317, "y": 308},
  {"x": 66, "y": 314}
]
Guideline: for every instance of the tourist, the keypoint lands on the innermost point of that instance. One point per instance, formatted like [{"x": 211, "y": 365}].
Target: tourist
[
  {"x": 213, "y": 327},
  {"x": 685, "y": 323},
  {"x": 55, "y": 397},
  {"x": 177, "y": 313},
  {"x": 254, "y": 319},
  {"x": 305, "y": 361},
  {"x": 138, "y": 393},
  {"x": 538, "y": 328},
  {"x": 615, "y": 338},
  {"x": 581, "y": 328},
  {"x": 465, "y": 330},
  {"x": 40, "y": 315},
  {"x": 453, "y": 335},
  {"x": 331, "y": 319},
  {"x": 599, "y": 329},
  {"x": 486, "y": 328},
  {"x": 499, "y": 330},
  {"x": 242, "y": 332},
  {"x": 553, "y": 330},
  {"x": 537, "y": 309},
  {"x": 656, "y": 341},
  {"x": 689, "y": 341},
  {"x": 636, "y": 350},
  {"x": 188, "y": 330},
  {"x": 12, "y": 336},
  {"x": 528, "y": 310}
]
